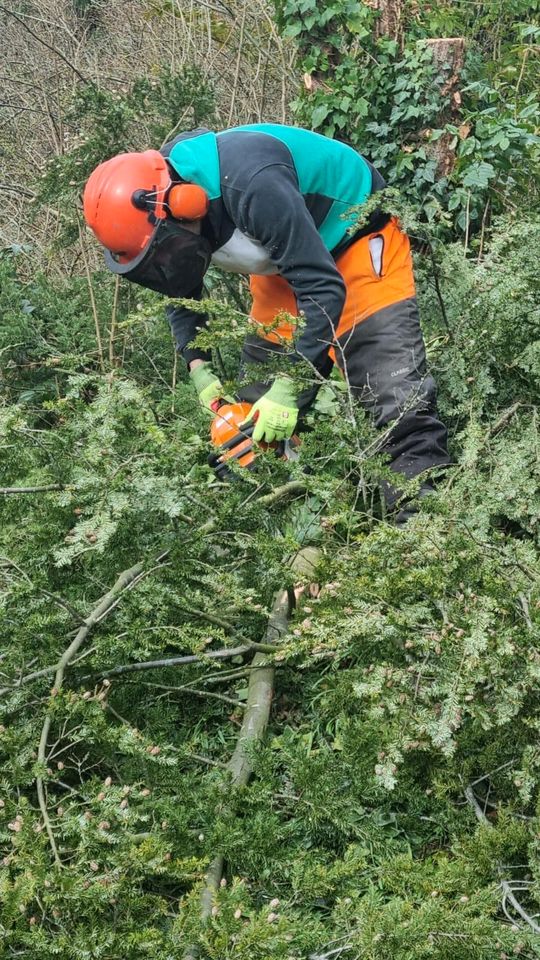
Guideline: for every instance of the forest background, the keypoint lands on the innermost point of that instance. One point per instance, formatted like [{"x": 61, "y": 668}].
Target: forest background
[{"x": 392, "y": 810}]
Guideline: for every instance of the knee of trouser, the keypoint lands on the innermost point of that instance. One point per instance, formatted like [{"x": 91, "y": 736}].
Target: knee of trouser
[{"x": 391, "y": 400}]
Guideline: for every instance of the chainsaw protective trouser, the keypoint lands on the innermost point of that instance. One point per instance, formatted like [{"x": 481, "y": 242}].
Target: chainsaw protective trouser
[{"x": 378, "y": 347}]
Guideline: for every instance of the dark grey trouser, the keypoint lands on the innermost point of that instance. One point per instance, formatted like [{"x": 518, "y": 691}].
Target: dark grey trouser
[{"x": 384, "y": 361}]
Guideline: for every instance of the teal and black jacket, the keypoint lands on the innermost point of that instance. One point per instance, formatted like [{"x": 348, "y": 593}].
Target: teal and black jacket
[{"x": 280, "y": 202}]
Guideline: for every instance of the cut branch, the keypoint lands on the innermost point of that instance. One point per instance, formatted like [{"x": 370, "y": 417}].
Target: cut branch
[
  {"x": 256, "y": 716},
  {"x": 291, "y": 489}
]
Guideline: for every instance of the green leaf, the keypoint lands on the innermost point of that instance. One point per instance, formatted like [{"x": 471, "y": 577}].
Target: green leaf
[
  {"x": 319, "y": 114},
  {"x": 479, "y": 174}
]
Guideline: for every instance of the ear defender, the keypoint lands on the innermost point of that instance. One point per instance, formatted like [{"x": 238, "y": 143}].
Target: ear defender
[{"x": 187, "y": 201}]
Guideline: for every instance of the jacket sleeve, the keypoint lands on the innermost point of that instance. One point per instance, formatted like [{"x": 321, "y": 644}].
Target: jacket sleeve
[
  {"x": 273, "y": 211},
  {"x": 185, "y": 325}
]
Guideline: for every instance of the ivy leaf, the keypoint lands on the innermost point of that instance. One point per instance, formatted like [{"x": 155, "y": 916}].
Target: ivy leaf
[
  {"x": 479, "y": 174},
  {"x": 319, "y": 114},
  {"x": 362, "y": 107}
]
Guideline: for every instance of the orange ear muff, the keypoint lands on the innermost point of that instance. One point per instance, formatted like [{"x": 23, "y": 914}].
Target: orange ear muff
[{"x": 187, "y": 201}]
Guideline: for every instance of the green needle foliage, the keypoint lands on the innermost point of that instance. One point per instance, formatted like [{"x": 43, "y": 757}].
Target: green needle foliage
[{"x": 411, "y": 677}]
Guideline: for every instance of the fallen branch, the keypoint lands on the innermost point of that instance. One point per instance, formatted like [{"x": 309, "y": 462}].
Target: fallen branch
[
  {"x": 508, "y": 893},
  {"x": 256, "y": 716},
  {"x": 105, "y": 605}
]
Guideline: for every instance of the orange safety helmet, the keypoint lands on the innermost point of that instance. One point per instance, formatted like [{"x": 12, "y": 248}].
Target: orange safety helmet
[
  {"x": 136, "y": 212},
  {"x": 126, "y": 196},
  {"x": 123, "y": 227}
]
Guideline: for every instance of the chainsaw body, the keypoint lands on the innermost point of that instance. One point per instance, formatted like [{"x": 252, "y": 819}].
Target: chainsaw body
[{"x": 234, "y": 442}]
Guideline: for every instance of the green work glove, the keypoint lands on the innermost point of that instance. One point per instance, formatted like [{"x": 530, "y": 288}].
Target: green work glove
[
  {"x": 208, "y": 386},
  {"x": 276, "y": 412}
]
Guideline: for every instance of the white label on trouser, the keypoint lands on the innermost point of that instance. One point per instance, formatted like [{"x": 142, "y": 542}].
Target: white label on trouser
[{"x": 376, "y": 245}]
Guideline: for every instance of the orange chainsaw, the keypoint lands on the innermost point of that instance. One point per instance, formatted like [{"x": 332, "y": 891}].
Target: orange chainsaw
[{"x": 234, "y": 442}]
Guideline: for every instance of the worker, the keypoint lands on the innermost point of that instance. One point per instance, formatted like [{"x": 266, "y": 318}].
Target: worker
[{"x": 281, "y": 204}]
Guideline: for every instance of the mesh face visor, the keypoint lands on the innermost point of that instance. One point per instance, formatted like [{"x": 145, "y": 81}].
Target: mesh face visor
[{"x": 173, "y": 263}]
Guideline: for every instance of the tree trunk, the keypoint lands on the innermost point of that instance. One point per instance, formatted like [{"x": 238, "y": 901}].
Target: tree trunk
[
  {"x": 448, "y": 55},
  {"x": 389, "y": 21}
]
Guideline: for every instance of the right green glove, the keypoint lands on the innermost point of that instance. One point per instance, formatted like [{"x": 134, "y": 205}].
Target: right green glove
[
  {"x": 275, "y": 413},
  {"x": 208, "y": 386}
]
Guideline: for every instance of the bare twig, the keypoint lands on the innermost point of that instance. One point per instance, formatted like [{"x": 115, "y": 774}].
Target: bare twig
[
  {"x": 438, "y": 290},
  {"x": 41, "y": 489},
  {"x": 197, "y": 693},
  {"x": 336, "y": 952},
  {"x": 92, "y": 299},
  {"x": 503, "y": 420},
  {"x": 210, "y": 618},
  {"x": 485, "y": 776},
  {"x": 112, "y": 328},
  {"x": 478, "y": 812},
  {"x": 238, "y": 63},
  {"x": 15, "y": 188},
  {"x": 39, "y": 39},
  {"x": 224, "y": 654},
  {"x": 65, "y": 604}
]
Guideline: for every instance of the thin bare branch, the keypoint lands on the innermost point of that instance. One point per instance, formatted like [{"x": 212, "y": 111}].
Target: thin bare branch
[
  {"x": 105, "y": 605},
  {"x": 41, "y": 489},
  {"x": 39, "y": 39},
  {"x": 224, "y": 654}
]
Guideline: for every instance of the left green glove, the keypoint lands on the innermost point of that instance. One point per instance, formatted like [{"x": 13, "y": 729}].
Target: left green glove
[
  {"x": 208, "y": 386},
  {"x": 276, "y": 412}
]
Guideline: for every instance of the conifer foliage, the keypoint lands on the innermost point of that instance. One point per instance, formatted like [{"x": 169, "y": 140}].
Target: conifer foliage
[{"x": 392, "y": 810}]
